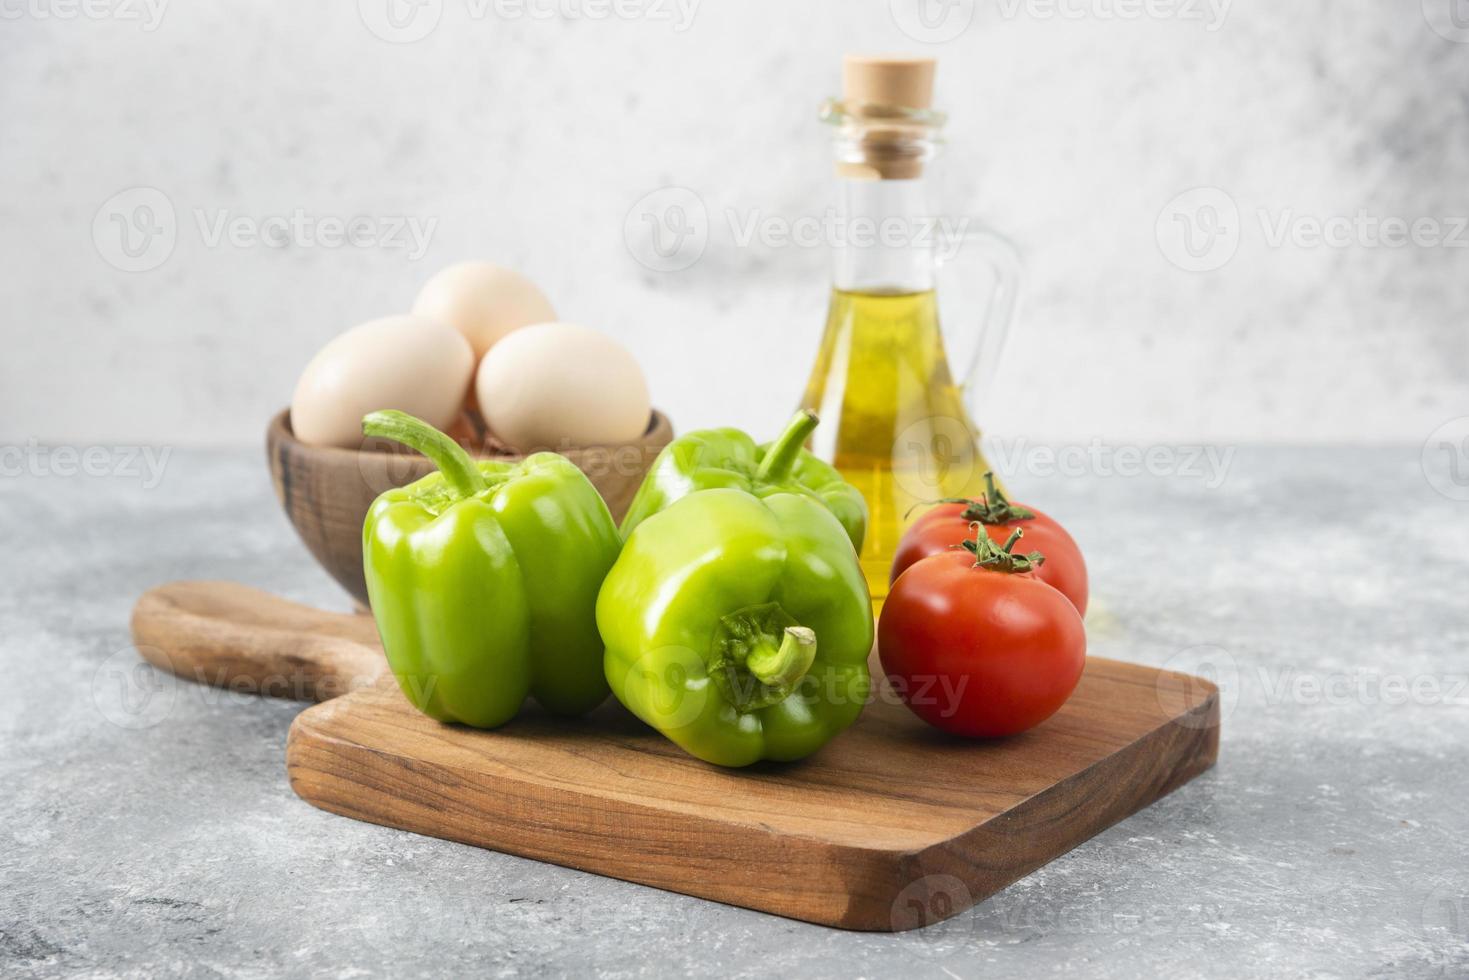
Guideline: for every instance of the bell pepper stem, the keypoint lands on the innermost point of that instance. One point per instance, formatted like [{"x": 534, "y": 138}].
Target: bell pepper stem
[
  {"x": 782, "y": 455},
  {"x": 784, "y": 666},
  {"x": 457, "y": 465}
]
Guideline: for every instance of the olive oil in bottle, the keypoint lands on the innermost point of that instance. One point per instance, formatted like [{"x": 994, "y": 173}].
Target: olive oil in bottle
[{"x": 894, "y": 420}]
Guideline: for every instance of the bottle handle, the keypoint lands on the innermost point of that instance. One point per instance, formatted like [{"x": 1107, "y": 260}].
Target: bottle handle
[{"x": 980, "y": 366}]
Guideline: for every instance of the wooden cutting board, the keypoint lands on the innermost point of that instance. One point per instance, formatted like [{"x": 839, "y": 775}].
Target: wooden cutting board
[{"x": 891, "y": 826}]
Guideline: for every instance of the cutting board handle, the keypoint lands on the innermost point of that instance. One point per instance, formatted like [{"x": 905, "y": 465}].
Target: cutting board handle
[{"x": 232, "y": 636}]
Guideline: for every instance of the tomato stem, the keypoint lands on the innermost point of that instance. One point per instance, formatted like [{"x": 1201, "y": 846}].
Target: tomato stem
[
  {"x": 996, "y": 507},
  {"x": 1000, "y": 558},
  {"x": 993, "y": 507}
]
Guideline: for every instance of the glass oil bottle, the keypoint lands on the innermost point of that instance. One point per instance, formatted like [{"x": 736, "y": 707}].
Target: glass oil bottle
[{"x": 896, "y": 421}]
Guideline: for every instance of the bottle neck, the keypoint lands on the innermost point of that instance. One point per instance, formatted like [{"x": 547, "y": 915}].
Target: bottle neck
[{"x": 887, "y": 245}]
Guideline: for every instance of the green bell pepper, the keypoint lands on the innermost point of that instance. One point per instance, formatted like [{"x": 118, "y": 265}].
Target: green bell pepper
[
  {"x": 737, "y": 623},
  {"x": 713, "y": 458},
  {"x": 483, "y": 579}
]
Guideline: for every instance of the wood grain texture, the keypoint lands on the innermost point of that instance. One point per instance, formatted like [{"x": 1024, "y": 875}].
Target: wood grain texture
[
  {"x": 232, "y": 636},
  {"x": 326, "y": 490},
  {"x": 891, "y": 826}
]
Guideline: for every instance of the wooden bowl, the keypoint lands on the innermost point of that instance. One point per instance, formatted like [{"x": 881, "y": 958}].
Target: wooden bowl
[{"x": 326, "y": 490}]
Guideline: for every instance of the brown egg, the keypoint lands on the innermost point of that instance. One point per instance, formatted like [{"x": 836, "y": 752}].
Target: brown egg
[
  {"x": 412, "y": 363},
  {"x": 483, "y": 301},
  {"x": 560, "y": 385}
]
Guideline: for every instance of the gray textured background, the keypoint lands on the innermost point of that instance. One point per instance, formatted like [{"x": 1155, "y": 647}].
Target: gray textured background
[
  {"x": 147, "y": 828},
  {"x": 528, "y": 140}
]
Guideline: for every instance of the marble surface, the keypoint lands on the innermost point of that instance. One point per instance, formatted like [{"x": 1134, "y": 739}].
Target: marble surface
[
  {"x": 531, "y": 138},
  {"x": 148, "y": 828}
]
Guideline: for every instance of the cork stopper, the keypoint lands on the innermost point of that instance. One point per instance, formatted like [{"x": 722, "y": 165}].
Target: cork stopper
[
  {"x": 884, "y": 98},
  {"x": 888, "y": 80}
]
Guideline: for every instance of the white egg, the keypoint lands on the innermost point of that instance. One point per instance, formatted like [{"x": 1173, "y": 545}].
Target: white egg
[
  {"x": 483, "y": 301},
  {"x": 412, "y": 363},
  {"x": 561, "y": 385}
]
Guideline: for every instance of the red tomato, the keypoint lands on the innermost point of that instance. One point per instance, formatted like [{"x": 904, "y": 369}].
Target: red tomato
[
  {"x": 976, "y": 651},
  {"x": 946, "y": 525}
]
